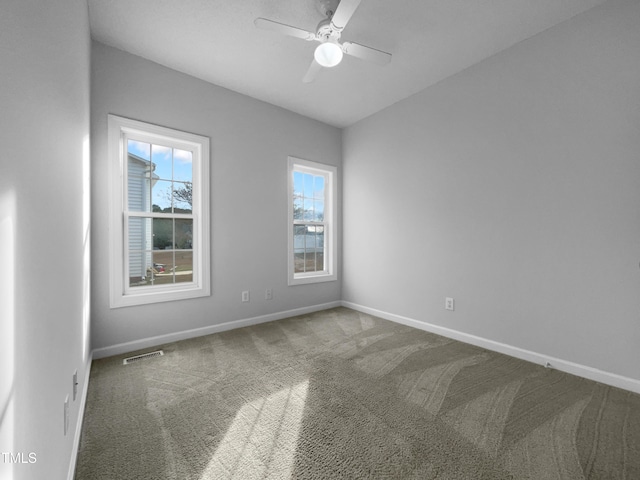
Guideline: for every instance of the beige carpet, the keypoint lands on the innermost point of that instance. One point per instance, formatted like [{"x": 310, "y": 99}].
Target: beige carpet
[{"x": 341, "y": 394}]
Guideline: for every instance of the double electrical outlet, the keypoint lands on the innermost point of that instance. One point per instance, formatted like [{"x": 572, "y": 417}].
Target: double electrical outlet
[
  {"x": 449, "y": 303},
  {"x": 268, "y": 295}
]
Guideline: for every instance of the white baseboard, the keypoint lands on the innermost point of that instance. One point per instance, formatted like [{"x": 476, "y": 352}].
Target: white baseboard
[
  {"x": 79, "y": 420},
  {"x": 198, "y": 332},
  {"x": 584, "y": 371},
  {"x": 590, "y": 373}
]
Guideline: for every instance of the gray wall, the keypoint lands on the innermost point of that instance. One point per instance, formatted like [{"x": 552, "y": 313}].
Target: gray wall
[
  {"x": 513, "y": 187},
  {"x": 250, "y": 142},
  {"x": 44, "y": 177}
]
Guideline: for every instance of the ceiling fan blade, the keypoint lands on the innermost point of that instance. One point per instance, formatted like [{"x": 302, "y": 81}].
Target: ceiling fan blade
[
  {"x": 366, "y": 53},
  {"x": 343, "y": 14},
  {"x": 282, "y": 28},
  {"x": 313, "y": 71}
]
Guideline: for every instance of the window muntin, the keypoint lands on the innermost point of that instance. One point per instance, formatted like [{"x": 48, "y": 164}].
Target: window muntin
[
  {"x": 312, "y": 232},
  {"x": 160, "y": 242}
]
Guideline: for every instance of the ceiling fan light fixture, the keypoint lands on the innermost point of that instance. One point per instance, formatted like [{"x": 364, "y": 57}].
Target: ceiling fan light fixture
[{"x": 328, "y": 54}]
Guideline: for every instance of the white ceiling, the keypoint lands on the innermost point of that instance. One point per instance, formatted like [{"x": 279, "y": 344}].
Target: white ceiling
[{"x": 216, "y": 41}]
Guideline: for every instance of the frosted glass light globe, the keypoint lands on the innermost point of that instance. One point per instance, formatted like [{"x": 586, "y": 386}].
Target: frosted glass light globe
[{"x": 328, "y": 54}]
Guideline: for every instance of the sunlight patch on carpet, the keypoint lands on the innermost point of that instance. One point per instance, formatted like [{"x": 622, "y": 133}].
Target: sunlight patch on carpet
[{"x": 261, "y": 441}]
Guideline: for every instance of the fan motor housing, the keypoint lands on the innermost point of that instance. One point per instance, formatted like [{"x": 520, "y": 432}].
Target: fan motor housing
[{"x": 324, "y": 30}]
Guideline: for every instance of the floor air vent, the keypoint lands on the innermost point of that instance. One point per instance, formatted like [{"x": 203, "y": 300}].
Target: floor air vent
[{"x": 144, "y": 356}]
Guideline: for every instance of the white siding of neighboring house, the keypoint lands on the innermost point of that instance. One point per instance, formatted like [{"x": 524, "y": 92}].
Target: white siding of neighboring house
[{"x": 140, "y": 233}]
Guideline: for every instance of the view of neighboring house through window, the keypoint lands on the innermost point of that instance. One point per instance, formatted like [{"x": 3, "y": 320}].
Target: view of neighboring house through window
[
  {"x": 312, "y": 232},
  {"x": 160, "y": 181},
  {"x": 163, "y": 249}
]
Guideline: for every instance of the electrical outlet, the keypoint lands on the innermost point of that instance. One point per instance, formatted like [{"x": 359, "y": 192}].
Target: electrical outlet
[
  {"x": 75, "y": 385},
  {"x": 66, "y": 415},
  {"x": 448, "y": 303},
  {"x": 268, "y": 294},
  {"x": 245, "y": 296}
]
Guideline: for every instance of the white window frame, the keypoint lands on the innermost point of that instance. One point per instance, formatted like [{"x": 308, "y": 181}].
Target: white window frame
[
  {"x": 330, "y": 173},
  {"x": 121, "y": 294}
]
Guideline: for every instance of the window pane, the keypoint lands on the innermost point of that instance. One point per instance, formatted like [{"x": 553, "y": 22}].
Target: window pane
[
  {"x": 298, "y": 262},
  {"x": 163, "y": 268},
  {"x": 318, "y": 210},
  {"x": 182, "y": 165},
  {"x": 139, "y": 268},
  {"x": 184, "y": 234},
  {"x": 310, "y": 239},
  {"x": 141, "y": 150},
  {"x": 307, "y": 185},
  {"x": 308, "y": 209},
  {"x": 161, "y": 158},
  {"x": 298, "y": 207},
  {"x": 162, "y": 233},
  {"x": 140, "y": 235},
  {"x": 138, "y": 167},
  {"x": 318, "y": 187},
  {"x": 184, "y": 267},
  {"x": 297, "y": 184},
  {"x": 138, "y": 193},
  {"x": 139, "y": 173},
  {"x": 299, "y": 247},
  {"x": 161, "y": 196},
  {"x": 182, "y": 197}
]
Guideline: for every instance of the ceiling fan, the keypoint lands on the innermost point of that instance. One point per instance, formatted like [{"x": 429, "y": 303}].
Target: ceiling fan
[{"x": 330, "y": 51}]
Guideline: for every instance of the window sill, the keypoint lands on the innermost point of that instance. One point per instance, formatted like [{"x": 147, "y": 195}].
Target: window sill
[
  {"x": 307, "y": 279},
  {"x": 157, "y": 296}
]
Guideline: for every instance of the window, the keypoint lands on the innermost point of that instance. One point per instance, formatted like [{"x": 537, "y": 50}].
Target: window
[
  {"x": 312, "y": 224},
  {"x": 160, "y": 213}
]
